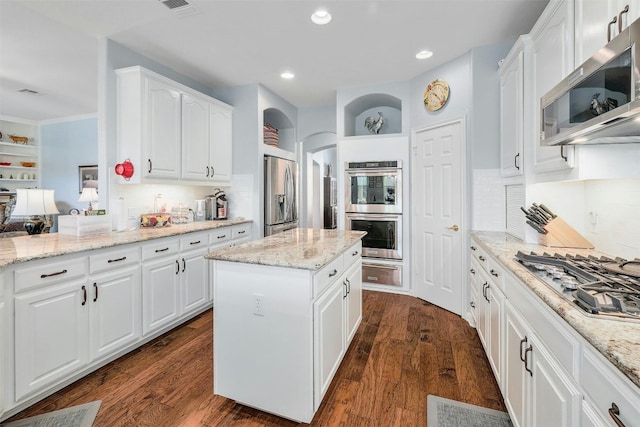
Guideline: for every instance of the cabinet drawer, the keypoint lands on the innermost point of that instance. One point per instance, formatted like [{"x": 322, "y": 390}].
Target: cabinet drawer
[
  {"x": 121, "y": 257},
  {"x": 59, "y": 270},
  {"x": 605, "y": 385},
  {"x": 352, "y": 254},
  {"x": 323, "y": 278},
  {"x": 495, "y": 273},
  {"x": 240, "y": 231},
  {"x": 194, "y": 241},
  {"x": 160, "y": 248},
  {"x": 222, "y": 234},
  {"x": 479, "y": 254}
]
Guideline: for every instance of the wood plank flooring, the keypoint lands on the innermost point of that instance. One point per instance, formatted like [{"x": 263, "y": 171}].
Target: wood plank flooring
[{"x": 404, "y": 350}]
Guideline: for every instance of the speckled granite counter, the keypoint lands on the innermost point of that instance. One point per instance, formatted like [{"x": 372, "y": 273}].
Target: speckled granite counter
[
  {"x": 618, "y": 341},
  {"x": 302, "y": 248},
  {"x": 26, "y": 248}
]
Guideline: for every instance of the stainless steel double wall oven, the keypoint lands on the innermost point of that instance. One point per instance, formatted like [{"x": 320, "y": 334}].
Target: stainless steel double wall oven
[{"x": 373, "y": 203}]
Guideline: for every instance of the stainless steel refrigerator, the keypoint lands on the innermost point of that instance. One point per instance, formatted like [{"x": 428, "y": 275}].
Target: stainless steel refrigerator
[{"x": 280, "y": 204}]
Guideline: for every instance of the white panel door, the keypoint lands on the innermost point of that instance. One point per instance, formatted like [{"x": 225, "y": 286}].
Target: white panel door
[
  {"x": 221, "y": 144},
  {"x": 195, "y": 138},
  {"x": 437, "y": 214},
  {"x": 162, "y": 130}
]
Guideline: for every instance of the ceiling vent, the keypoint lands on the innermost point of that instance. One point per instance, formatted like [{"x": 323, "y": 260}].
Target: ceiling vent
[
  {"x": 29, "y": 91},
  {"x": 179, "y": 7}
]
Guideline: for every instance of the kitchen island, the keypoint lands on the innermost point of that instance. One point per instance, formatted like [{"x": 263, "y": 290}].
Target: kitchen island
[{"x": 286, "y": 308}]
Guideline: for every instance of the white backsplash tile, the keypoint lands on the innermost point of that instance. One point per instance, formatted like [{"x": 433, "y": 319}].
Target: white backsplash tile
[{"x": 488, "y": 200}]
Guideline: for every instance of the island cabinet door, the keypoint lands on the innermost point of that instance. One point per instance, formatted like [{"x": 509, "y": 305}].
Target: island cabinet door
[
  {"x": 329, "y": 337},
  {"x": 353, "y": 304},
  {"x": 51, "y": 335}
]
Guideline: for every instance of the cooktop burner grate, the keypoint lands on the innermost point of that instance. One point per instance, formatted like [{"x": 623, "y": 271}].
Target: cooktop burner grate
[{"x": 602, "y": 286}]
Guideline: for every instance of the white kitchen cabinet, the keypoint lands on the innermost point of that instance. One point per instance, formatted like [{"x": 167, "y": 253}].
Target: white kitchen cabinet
[
  {"x": 353, "y": 304},
  {"x": 537, "y": 391},
  {"x": 220, "y": 144},
  {"x": 160, "y": 284},
  {"x": 194, "y": 272},
  {"x": 593, "y": 23},
  {"x": 195, "y": 137},
  {"x": 51, "y": 334},
  {"x": 115, "y": 314},
  {"x": 552, "y": 59},
  {"x": 511, "y": 109},
  {"x": 168, "y": 132},
  {"x": 329, "y": 336}
]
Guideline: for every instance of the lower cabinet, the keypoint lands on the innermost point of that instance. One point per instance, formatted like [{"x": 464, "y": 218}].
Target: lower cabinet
[
  {"x": 51, "y": 334},
  {"x": 353, "y": 304},
  {"x": 537, "y": 391}
]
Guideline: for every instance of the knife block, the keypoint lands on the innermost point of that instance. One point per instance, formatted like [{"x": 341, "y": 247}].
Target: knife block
[{"x": 562, "y": 235}]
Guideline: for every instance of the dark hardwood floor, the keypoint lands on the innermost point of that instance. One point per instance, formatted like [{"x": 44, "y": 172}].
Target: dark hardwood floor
[{"x": 404, "y": 350}]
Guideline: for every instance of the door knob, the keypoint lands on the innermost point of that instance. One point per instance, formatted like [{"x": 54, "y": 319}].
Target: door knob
[{"x": 454, "y": 227}]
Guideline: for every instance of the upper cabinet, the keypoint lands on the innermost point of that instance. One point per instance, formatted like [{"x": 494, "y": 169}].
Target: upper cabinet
[
  {"x": 598, "y": 21},
  {"x": 552, "y": 59},
  {"x": 171, "y": 133},
  {"x": 512, "y": 108}
]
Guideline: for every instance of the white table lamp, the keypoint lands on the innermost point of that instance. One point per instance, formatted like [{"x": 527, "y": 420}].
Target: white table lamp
[
  {"x": 89, "y": 195},
  {"x": 34, "y": 203}
]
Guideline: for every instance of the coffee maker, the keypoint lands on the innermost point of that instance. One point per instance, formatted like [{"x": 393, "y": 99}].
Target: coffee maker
[{"x": 216, "y": 205}]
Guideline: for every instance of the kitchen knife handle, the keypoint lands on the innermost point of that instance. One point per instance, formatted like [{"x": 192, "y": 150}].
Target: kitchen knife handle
[{"x": 547, "y": 210}]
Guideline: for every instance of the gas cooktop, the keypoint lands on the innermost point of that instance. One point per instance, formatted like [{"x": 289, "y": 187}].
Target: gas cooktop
[{"x": 600, "y": 287}]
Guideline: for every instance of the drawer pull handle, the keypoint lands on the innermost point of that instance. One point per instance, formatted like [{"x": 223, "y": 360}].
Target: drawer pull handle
[
  {"x": 493, "y": 273},
  {"x": 222, "y": 236},
  {"x": 344, "y": 288},
  {"x": 372, "y": 278},
  {"x": 354, "y": 253},
  {"x": 348, "y": 286},
  {"x": 622, "y": 12},
  {"x": 613, "y": 21},
  {"x": 184, "y": 265},
  {"x": 177, "y": 267},
  {"x": 472, "y": 271},
  {"x": 84, "y": 294},
  {"x": 481, "y": 258},
  {"x": 150, "y": 165},
  {"x": 44, "y": 276},
  {"x": 333, "y": 273},
  {"x": 197, "y": 242},
  {"x": 117, "y": 259},
  {"x": 207, "y": 171},
  {"x": 242, "y": 231},
  {"x": 95, "y": 288},
  {"x": 614, "y": 411},
  {"x": 162, "y": 250},
  {"x": 473, "y": 248},
  {"x": 472, "y": 304}
]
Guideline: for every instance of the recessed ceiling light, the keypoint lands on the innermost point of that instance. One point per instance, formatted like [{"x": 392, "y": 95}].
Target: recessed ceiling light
[
  {"x": 424, "y": 54},
  {"x": 287, "y": 75},
  {"x": 321, "y": 17}
]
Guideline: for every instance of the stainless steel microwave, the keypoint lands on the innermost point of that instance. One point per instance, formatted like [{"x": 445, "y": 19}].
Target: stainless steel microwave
[{"x": 600, "y": 101}]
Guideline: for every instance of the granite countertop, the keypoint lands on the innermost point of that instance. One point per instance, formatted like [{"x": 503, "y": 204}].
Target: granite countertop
[
  {"x": 26, "y": 248},
  {"x": 618, "y": 341},
  {"x": 301, "y": 248}
]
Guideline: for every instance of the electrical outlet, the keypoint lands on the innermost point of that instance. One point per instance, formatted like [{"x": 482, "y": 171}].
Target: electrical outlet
[{"x": 258, "y": 304}]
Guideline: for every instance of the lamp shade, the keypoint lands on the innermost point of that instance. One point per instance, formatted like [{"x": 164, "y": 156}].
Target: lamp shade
[
  {"x": 88, "y": 195},
  {"x": 35, "y": 202}
]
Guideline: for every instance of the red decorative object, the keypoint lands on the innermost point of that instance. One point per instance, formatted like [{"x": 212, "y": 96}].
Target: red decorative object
[{"x": 125, "y": 169}]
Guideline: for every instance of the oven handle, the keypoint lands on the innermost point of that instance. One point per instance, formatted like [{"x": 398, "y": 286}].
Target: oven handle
[
  {"x": 374, "y": 216},
  {"x": 372, "y": 171},
  {"x": 381, "y": 266}
]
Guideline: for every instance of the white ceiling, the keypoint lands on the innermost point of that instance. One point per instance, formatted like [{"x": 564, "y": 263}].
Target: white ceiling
[{"x": 52, "y": 46}]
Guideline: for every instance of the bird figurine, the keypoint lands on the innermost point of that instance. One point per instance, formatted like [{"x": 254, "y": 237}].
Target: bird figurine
[
  {"x": 598, "y": 107},
  {"x": 373, "y": 125}
]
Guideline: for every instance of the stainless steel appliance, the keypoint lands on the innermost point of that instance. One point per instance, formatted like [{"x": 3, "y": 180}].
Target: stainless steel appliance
[
  {"x": 330, "y": 202},
  {"x": 600, "y": 287},
  {"x": 384, "y": 234},
  {"x": 280, "y": 205},
  {"x": 382, "y": 274},
  {"x": 217, "y": 206},
  {"x": 373, "y": 187},
  {"x": 597, "y": 103}
]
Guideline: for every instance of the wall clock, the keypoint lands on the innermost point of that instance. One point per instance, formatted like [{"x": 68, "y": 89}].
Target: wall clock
[{"x": 436, "y": 95}]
